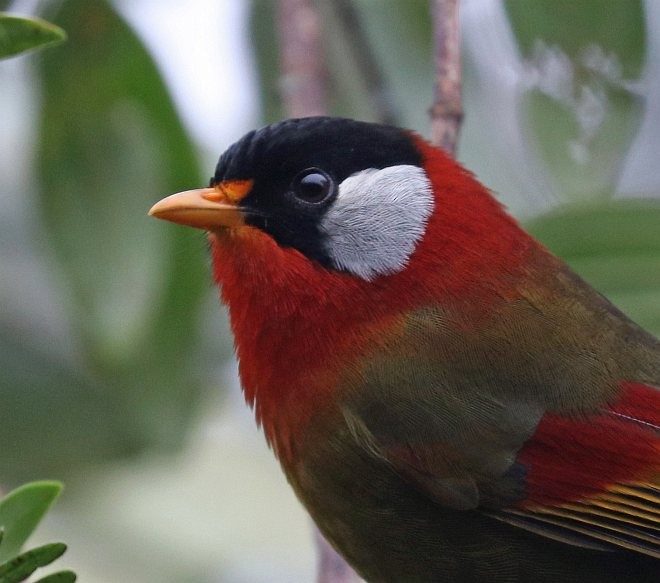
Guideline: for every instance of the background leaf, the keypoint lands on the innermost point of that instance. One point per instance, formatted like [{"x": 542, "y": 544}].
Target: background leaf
[
  {"x": 111, "y": 144},
  {"x": 21, "y": 511},
  {"x": 59, "y": 577},
  {"x": 265, "y": 44},
  {"x": 581, "y": 24},
  {"x": 21, "y": 567},
  {"x": 18, "y": 34},
  {"x": 583, "y": 105},
  {"x": 615, "y": 246},
  {"x": 136, "y": 284}
]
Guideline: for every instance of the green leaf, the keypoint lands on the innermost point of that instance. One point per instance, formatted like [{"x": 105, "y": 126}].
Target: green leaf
[
  {"x": 627, "y": 227},
  {"x": 615, "y": 246},
  {"x": 584, "y": 164},
  {"x": 111, "y": 145},
  {"x": 615, "y": 25},
  {"x": 584, "y": 102},
  {"x": 59, "y": 577},
  {"x": 18, "y": 34},
  {"x": 61, "y": 416},
  {"x": 21, "y": 567},
  {"x": 20, "y": 512}
]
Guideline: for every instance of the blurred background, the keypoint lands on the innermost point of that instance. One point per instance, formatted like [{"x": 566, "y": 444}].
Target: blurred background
[{"x": 116, "y": 367}]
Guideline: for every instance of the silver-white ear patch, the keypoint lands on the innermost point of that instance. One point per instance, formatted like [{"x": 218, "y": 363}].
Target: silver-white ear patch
[{"x": 378, "y": 217}]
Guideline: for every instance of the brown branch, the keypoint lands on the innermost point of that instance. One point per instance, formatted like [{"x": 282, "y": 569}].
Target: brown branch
[
  {"x": 303, "y": 80},
  {"x": 446, "y": 111}
]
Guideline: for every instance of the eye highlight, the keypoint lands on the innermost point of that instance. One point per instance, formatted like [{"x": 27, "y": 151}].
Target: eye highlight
[{"x": 313, "y": 186}]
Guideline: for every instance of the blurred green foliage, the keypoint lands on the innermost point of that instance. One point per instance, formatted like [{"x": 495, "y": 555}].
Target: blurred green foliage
[
  {"x": 109, "y": 148},
  {"x": 110, "y": 144},
  {"x": 615, "y": 25},
  {"x": 20, "y": 568},
  {"x": 583, "y": 117},
  {"x": 615, "y": 245},
  {"x": 18, "y": 35},
  {"x": 265, "y": 45},
  {"x": 586, "y": 110},
  {"x": 387, "y": 26}
]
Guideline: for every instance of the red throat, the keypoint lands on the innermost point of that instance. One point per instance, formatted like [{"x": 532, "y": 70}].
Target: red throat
[{"x": 298, "y": 326}]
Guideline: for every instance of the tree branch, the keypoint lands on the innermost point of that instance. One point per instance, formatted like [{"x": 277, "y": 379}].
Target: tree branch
[
  {"x": 446, "y": 111},
  {"x": 303, "y": 80}
]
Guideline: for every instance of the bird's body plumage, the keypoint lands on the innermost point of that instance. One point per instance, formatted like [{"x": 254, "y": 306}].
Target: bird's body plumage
[{"x": 472, "y": 412}]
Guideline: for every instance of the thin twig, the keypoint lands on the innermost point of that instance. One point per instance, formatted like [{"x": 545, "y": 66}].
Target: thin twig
[
  {"x": 380, "y": 97},
  {"x": 303, "y": 80},
  {"x": 446, "y": 111}
]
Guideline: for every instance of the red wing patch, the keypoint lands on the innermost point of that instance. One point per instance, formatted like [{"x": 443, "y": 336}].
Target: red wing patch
[
  {"x": 596, "y": 481},
  {"x": 572, "y": 459}
]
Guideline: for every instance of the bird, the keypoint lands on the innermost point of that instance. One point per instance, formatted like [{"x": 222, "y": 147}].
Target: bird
[{"x": 448, "y": 400}]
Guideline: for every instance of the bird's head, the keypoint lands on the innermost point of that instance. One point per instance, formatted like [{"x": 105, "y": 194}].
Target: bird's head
[
  {"x": 324, "y": 228},
  {"x": 352, "y": 197}
]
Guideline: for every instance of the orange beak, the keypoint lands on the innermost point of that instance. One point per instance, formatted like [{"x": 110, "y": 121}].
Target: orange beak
[{"x": 206, "y": 208}]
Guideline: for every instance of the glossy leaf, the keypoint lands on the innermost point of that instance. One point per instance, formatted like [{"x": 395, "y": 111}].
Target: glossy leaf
[
  {"x": 21, "y": 567},
  {"x": 59, "y": 577},
  {"x": 21, "y": 511},
  {"x": 18, "y": 34},
  {"x": 615, "y": 246}
]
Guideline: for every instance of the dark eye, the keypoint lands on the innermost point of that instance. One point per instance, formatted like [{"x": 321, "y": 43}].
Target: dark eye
[{"x": 312, "y": 186}]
